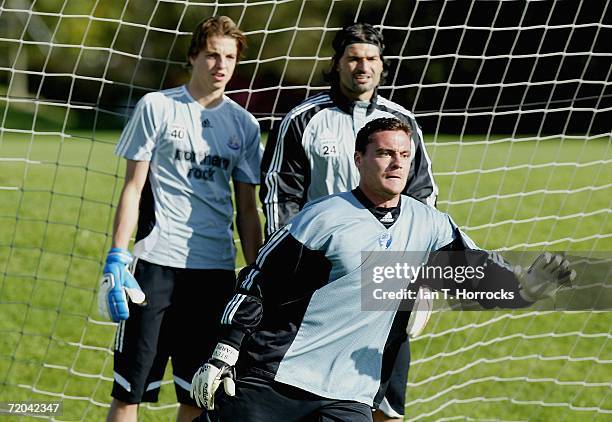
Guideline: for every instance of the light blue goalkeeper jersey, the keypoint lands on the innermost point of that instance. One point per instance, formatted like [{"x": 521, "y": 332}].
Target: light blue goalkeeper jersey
[
  {"x": 298, "y": 307},
  {"x": 297, "y": 316},
  {"x": 194, "y": 152},
  {"x": 338, "y": 349}
]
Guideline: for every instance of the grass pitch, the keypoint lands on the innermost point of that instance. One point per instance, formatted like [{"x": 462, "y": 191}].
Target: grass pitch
[{"x": 57, "y": 201}]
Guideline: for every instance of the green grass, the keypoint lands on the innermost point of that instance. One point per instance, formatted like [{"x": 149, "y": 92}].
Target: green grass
[{"x": 56, "y": 209}]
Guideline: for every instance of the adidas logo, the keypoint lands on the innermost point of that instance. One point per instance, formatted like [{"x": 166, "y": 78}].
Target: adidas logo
[
  {"x": 206, "y": 123},
  {"x": 388, "y": 218}
]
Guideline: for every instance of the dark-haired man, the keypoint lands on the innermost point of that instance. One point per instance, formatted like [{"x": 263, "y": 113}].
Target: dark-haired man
[
  {"x": 310, "y": 154},
  {"x": 302, "y": 346},
  {"x": 183, "y": 148}
]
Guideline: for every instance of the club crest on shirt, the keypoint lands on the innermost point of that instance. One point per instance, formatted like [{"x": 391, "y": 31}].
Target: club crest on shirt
[
  {"x": 233, "y": 142},
  {"x": 384, "y": 240}
]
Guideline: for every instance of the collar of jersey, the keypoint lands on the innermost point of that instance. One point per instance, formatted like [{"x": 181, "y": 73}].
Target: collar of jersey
[
  {"x": 347, "y": 105},
  {"x": 378, "y": 212},
  {"x": 193, "y": 100}
]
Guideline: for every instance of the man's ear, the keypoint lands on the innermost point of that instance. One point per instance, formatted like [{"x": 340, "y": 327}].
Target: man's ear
[{"x": 357, "y": 158}]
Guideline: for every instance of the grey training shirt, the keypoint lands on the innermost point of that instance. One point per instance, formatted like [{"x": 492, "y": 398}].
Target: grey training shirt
[{"x": 193, "y": 152}]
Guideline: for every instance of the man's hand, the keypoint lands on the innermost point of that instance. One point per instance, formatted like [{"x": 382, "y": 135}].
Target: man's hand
[
  {"x": 544, "y": 277},
  {"x": 115, "y": 283},
  {"x": 219, "y": 369}
]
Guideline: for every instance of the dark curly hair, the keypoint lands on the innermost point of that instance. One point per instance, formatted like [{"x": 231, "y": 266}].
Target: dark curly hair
[{"x": 352, "y": 34}]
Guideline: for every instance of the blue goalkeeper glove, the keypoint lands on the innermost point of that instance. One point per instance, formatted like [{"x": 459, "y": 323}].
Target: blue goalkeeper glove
[{"x": 116, "y": 282}]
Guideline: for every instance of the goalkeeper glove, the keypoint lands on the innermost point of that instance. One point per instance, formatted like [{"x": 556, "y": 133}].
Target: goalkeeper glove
[
  {"x": 219, "y": 369},
  {"x": 544, "y": 277},
  {"x": 115, "y": 283},
  {"x": 421, "y": 311}
]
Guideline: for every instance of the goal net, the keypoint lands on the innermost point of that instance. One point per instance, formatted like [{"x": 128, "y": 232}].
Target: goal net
[{"x": 515, "y": 103}]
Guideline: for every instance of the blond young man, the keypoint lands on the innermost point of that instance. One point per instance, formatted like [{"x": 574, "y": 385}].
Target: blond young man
[{"x": 183, "y": 146}]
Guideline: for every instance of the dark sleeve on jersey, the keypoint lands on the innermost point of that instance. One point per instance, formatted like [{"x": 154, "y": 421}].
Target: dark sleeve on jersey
[
  {"x": 420, "y": 183},
  {"x": 146, "y": 211},
  {"x": 498, "y": 274},
  {"x": 285, "y": 175},
  {"x": 285, "y": 271}
]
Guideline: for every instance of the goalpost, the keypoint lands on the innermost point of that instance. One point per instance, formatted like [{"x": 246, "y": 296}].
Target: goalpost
[{"x": 515, "y": 102}]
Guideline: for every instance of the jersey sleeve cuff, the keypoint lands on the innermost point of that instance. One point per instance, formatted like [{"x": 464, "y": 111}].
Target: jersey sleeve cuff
[{"x": 231, "y": 336}]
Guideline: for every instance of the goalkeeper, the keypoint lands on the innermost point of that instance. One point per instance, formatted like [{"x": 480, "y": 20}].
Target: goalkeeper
[
  {"x": 183, "y": 147},
  {"x": 295, "y": 335},
  {"x": 310, "y": 154}
]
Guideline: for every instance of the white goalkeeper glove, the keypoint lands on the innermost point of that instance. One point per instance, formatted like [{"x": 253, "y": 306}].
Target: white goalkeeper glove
[
  {"x": 116, "y": 282},
  {"x": 421, "y": 311},
  {"x": 219, "y": 369},
  {"x": 547, "y": 273}
]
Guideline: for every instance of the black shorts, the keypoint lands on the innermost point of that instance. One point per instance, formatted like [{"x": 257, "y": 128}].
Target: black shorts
[
  {"x": 395, "y": 397},
  {"x": 180, "y": 321},
  {"x": 259, "y": 400}
]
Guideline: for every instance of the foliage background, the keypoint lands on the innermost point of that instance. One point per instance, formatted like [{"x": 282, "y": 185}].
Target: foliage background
[{"x": 445, "y": 57}]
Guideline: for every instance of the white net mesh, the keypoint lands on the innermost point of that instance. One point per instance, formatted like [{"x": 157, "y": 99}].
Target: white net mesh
[{"x": 515, "y": 102}]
